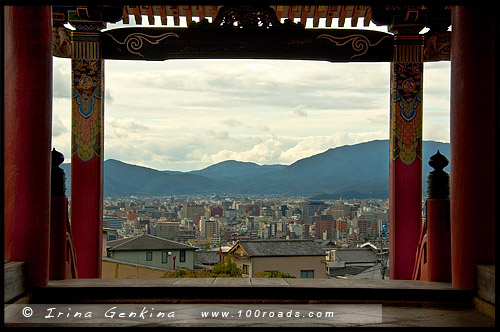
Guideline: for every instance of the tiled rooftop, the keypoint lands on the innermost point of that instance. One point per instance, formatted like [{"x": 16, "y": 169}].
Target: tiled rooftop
[
  {"x": 146, "y": 242},
  {"x": 282, "y": 248},
  {"x": 356, "y": 255}
]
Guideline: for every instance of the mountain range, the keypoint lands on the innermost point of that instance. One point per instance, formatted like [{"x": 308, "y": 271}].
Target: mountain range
[{"x": 353, "y": 171}]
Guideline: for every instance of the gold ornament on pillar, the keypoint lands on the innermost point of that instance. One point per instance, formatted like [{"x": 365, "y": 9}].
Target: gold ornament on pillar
[{"x": 87, "y": 96}]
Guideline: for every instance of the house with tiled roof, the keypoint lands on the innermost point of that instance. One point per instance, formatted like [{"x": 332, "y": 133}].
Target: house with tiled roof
[
  {"x": 152, "y": 251},
  {"x": 353, "y": 263},
  {"x": 299, "y": 258}
]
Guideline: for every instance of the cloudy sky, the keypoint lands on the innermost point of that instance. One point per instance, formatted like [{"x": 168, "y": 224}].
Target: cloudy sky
[{"x": 189, "y": 114}]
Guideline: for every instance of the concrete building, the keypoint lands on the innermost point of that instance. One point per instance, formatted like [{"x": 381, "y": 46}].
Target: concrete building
[
  {"x": 363, "y": 225},
  {"x": 208, "y": 228},
  {"x": 111, "y": 222},
  {"x": 168, "y": 230},
  {"x": 324, "y": 227},
  {"x": 189, "y": 210}
]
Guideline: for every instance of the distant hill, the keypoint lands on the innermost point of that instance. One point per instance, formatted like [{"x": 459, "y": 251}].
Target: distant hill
[
  {"x": 353, "y": 171},
  {"x": 233, "y": 169}
]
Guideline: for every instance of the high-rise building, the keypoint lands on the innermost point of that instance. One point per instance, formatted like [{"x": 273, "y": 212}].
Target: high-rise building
[
  {"x": 190, "y": 209},
  {"x": 216, "y": 211},
  {"x": 324, "y": 223},
  {"x": 253, "y": 210},
  {"x": 363, "y": 226},
  {"x": 111, "y": 222},
  {"x": 168, "y": 230},
  {"x": 208, "y": 228},
  {"x": 312, "y": 208},
  {"x": 342, "y": 227}
]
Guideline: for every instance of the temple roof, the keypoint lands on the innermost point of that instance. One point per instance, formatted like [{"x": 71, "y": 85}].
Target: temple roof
[
  {"x": 323, "y": 16},
  {"x": 171, "y": 15},
  {"x": 212, "y": 30}
]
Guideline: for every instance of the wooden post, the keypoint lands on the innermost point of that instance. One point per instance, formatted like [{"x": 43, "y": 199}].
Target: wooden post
[
  {"x": 405, "y": 164},
  {"x": 58, "y": 217},
  {"x": 27, "y": 137},
  {"x": 87, "y": 147},
  {"x": 472, "y": 134},
  {"x": 438, "y": 221}
]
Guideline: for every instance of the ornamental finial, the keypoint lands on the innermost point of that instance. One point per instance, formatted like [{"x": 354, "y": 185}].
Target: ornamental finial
[{"x": 438, "y": 181}]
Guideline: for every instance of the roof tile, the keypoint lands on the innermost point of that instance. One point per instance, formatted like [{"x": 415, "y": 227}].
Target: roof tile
[
  {"x": 147, "y": 242},
  {"x": 282, "y": 248}
]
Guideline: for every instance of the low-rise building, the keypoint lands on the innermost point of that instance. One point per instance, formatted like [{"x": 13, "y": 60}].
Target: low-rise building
[
  {"x": 299, "y": 258},
  {"x": 152, "y": 251},
  {"x": 354, "y": 263}
]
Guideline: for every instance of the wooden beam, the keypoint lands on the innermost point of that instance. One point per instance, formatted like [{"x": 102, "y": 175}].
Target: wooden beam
[
  {"x": 334, "y": 45},
  {"x": 188, "y": 13},
  {"x": 304, "y": 14},
  {"x": 279, "y": 11},
  {"x": 163, "y": 15},
  {"x": 342, "y": 15},
  {"x": 125, "y": 17},
  {"x": 201, "y": 12},
  {"x": 368, "y": 16},
  {"x": 330, "y": 15},
  {"x": 151, "y": 15},
  {"x": 316, "y": 16},
  {"x": 175, "y": 13},
  {"x": 214, "y": 11},
  {"x": 291, "y": 12},
  {"x": 355, "y": 15},
  {"x": 137, "y": 15},
  {"x": 14, "y": 283}
]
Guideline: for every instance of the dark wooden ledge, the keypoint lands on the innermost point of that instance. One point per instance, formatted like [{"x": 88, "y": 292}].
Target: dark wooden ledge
[{"x": 252, "y": 290}]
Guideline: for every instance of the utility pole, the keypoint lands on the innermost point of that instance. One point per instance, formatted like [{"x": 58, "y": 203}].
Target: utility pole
[{"x": 382, "y": 256}]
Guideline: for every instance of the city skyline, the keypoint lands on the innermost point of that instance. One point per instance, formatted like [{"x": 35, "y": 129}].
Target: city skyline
[{"x": 184, "y": 115}]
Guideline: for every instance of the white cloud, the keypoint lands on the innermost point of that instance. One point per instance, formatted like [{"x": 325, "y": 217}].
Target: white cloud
[
  {"x": 317, "y": 144},
  {"x": 220, "y": 135},
  {"x": 58, "y": 127},
  {"x": 108, "y": 98},
  {"x": 189, "y": 114},
  {"x": 61, "y": 79},
  {"x": 267, "y": 152},
  {"x": 122, "y": 128},
  {"x": 300, "y": 111},
  {"x": 436, "y": 132},
  {"x": 252, "y": 125}
]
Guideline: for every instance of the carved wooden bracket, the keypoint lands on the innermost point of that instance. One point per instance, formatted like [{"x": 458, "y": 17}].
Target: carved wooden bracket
[
  {"x": 437, "y": 46},
  {"x": 246, "y": 17},
  {"x": 61, "y": 44}
]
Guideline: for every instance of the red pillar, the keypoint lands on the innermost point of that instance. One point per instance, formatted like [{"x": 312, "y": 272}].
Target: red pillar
[
  {"x": 87, "y": 149},
  {"x": 27, "y": 137},
  {"x": 472, "y": 152},
  {"x": 405, "y": 165},
  {"x": 438, "y": 235}
]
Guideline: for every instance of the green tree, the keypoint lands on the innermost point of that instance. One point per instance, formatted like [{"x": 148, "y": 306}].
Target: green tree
[
  {"x": 273, "y": 274},
  {"x": 229, "y": 269}
]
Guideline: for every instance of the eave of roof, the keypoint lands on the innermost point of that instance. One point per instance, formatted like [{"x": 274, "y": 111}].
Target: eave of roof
[
  {"x": 171, "y": 14},
  {"x": 280, "y": 248},
  {"x": 147, "y": 242}
]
